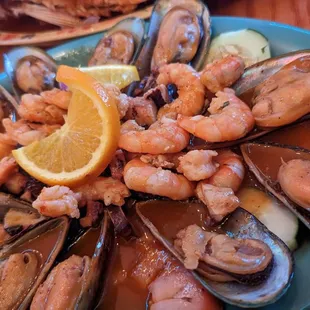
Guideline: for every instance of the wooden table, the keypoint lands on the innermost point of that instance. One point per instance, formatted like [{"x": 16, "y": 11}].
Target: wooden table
[{"x": 294, "y": 12}]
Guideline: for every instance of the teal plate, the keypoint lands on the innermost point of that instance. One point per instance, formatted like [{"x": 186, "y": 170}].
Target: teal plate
[{"x": 283, "y": 39}]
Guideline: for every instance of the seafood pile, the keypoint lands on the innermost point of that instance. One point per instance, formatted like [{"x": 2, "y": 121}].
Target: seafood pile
[
  {"x": 67, "y": 13},
  {"x": 173, "y": 221}
]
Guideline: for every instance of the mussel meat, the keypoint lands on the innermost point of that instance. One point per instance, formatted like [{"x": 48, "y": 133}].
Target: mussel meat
[
  {"x": 121, "y": 44},
  {"x": 179, "y": 31},
  {"x": 243, "y": 234},
  {"x": 28, "y": 260},
  {"x": 30, "y": 70},
  {"x": 79, "y": 276},
  {"x": 16, "y": 217}
]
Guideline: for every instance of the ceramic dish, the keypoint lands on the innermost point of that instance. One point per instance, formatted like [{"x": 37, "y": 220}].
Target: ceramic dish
[{"x": 283, "y": 39}]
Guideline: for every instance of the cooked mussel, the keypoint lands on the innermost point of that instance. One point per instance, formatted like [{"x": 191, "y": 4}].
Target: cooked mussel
[
  {"x": 269, "y": 174},
  {"x": 80, "y": 275},
  {"x": 30, "y": 70},
  {"x": 179, "y": 31},
  {"x": 121, "y": 44},
  {"x": 268, "y": 281},
  {"x": 16, "y": 217},
  {"x": 27, "y": 261}
]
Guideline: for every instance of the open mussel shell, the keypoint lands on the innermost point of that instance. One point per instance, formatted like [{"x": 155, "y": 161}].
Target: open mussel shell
[
  {"x": 100, "y": 264},
  {"x": 261, "y": 71},
  {"x": 135, "y": 31},
  {"x": 161, "y": 8},
  {"x": 98, "y": 245},
  {"x": 165, "y": 221},
  {"x": 244, "y": 87},
  {"x": 265, "y": 160},
  {"x": 30, "y": 69},
  {"x": 40, "y": 246},
  {"x": 17, "y": 217}
]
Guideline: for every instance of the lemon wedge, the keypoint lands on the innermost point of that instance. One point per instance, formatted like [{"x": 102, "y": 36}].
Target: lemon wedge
[
  {"x": 85, "y": 145},
  {"x": 119, "y": 75}
]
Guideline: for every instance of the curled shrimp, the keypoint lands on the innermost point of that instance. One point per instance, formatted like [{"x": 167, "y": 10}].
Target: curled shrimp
[
  {"x": 8, "y": 167},
  {"x": 145, "y": 178},
  {"x": 34, "y": 109},
  {"x": 164, "y": 136},
  {"x": 25, "y": 133},
  {"x": 57, "y": 97},
  {"x": 230, "y": 119},
  {"x": 57, "y": 201},
  {"x": 220, "y": 201},
  {"x": 231, "y": 171},
  {"x": 198, "y": 164},
  {"x": 190, "y": 89},
  {"x": 218, "y": 192},
  {"x": 222, "y": 73}
]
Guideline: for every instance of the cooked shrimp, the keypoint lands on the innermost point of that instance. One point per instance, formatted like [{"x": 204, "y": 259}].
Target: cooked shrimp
[
  {"x": 230, "y": 119},
  {"x": 59, "y": 98},
  {"x": 198, "y": 165},
  {"x": 57, "y": 201},
  {"x": 16, "y": 183},
  {"x": 33, "y": 109},
  {"x": 8, "y": 167},
  {"x": 7, "y": 145},
  {"x": 220, "y": 201},
  {"x": 145, "y": 178},
  {"x": 25, "y": 133},
  {"x": 222, "y": 73},
  {"x": 294, "y": 178},
  {"x": 231, "y": 170},
  {"x": 143, "y": 111},
  {"x": 168, "y": 161},
  {"x": 178, "y": 290},
  {"x": 190, "y": 89},
  {"x": 109, "y": 190},
  {"x": 164, "y": 136}
]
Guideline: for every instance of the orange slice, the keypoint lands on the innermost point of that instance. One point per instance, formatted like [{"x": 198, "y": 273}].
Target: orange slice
[{"x": 85, "y": 145}]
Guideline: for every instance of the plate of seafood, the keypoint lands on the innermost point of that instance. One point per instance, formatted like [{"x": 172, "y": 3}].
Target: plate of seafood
[{"x": 163, "y": 164}]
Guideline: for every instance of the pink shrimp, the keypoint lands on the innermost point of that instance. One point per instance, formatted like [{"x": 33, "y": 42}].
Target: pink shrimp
[
  {"x": 8, "y": 167},
  {"x": 198, "y": 164},
  {"x": 145, "y": 178},
  {"x": 220, "y": 201},
  {"x": 164, "y": 136},
  {"x": 231, "y": 171},
  {"x": 57, "y": 201},
  {"x": 58, "y": 97},
  {"x": 222, "y": 73},
  {"x": 34, "y": 109},
  {"x": 190, "y": 89},
  {"x": 230, "y": 119}
]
